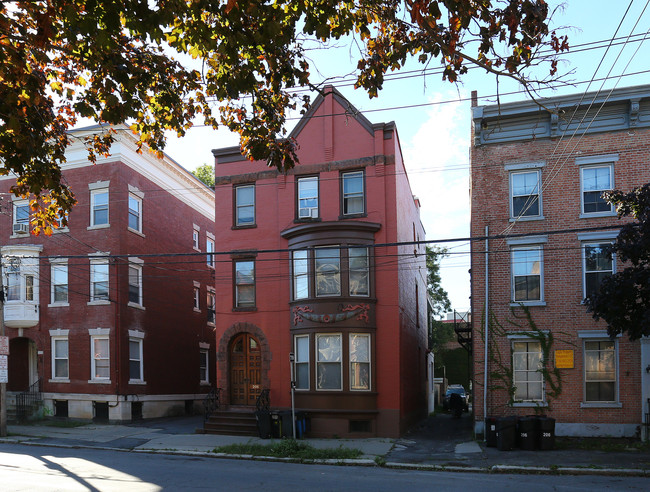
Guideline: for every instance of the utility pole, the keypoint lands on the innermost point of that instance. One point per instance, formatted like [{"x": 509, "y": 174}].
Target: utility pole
[{"x": 4, "y": 358}]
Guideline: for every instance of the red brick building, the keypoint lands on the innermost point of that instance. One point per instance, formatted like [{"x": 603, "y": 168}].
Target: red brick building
[
  {"x": 108, "y": 317},
  {"x": 314, "y": 270},
  {"x": 536, "y": 182}
]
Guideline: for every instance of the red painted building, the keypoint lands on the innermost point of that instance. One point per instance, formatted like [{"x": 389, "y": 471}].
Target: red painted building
[
  {"x": 537, "y": 174},
  {"x": 108, "y": 317},
  {"x": 313, "y": 268}
]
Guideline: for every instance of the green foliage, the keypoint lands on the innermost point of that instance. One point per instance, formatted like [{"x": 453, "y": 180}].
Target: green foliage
[
  {"x": 439, "y": 297},
  {"x": 289, "y": 448},
  {"x": 205, "y": 173},
  {"x": 623, "y": 299},
  {"x": 112, "y": 62}
]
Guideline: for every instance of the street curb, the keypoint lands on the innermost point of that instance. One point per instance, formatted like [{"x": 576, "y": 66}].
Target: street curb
[{"x": 503, "y": 469}]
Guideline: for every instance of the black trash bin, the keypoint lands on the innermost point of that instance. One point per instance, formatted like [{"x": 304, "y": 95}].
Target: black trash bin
[
  {"x": 276, "y": 425},
  {"x": 527, "y": 433},
  {"x": 263, "y": 418},
  {"x": 287, "y": 426},
  {"x": 506, "y": 433},
  {"x": 491, "y": 432},
  {"x": 546, "y": 427}
]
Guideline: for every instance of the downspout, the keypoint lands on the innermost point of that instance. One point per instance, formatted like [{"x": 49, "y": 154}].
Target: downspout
[{"x": 486, "y": 329}]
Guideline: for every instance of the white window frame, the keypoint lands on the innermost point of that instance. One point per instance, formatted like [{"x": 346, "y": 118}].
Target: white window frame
[
  {"x": 195, "y": 237},
  {"x": 538, "y": 195},
  {"x": 136, "y": 336},
  {"x": 99, "y": 188},
  {"x": 96, "y": 335},
  {"x": 135, "y": 265},
  {"x": 586, "y": 245},
  {"x": 320, "y": 361},
  {"x": 305, "y": 212},
  {"x": 211, "y": 305},
  {"x": 135, "y": 198},
  {"x": 351, "y": 195},
  {"x": 60, "y": 335},
  {"x": 240, "y": 206},
  {"x": 197, "y": 296},
  {"x": 60, "y": 265},
  {"x": 540, "y": 253},
  {"x": 209, "y": 248},
  {"x": 94, "y": 263},
  {"x": 22, "y": 277},
  {"x": 19, "y": 204},
  {"x": 525, "y": 167},
  {"x": 367, "y": 362},
  {"x": 302, "y": 359},
  {"x": 600, "y": 336},
  {"x": 300, "y": 273},
  {"x": 528, "y": 371},
  {"x": 204, "y": 364},
  {"x": 527, "y": 243},
  {"x": 591, "y": 162},
  {"x": 238, "y": 302}
]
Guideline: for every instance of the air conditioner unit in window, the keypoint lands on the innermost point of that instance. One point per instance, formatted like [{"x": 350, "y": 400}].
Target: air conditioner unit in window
[
  {"x": 21, "y": 228},
  {"x": 314, "y": 213}
]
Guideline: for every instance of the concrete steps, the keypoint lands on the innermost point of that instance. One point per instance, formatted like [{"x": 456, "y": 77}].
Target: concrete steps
[{"x": 232, "y": 422}]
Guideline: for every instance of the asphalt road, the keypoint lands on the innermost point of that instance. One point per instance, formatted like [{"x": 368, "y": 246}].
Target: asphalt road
[{"x": 36, "y": 468}]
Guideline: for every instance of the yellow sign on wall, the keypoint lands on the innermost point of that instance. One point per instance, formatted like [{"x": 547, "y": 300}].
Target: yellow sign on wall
[{"x": 564, "y": 359}]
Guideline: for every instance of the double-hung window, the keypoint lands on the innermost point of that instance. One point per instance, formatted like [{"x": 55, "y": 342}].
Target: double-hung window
[
  {"x": 359, "y": 362},
  {"x": 209, "y": 249},
  {"x": 600, "y": 371},
  {"x": 195, "y": 238},
  {"x": 204, "y": 375},
  {"x": 244, "y": 283},
  {"x": 136, "y": 370},
  {"x": 60, "y": 355},
  {"x": 596, "y": 177},
  {"x": 245, "y": 205},
  {"x": 135, "y": 282},
  {"x": 300, "y": 274},
  {"x": 21, "y": 217},
  {"x": 598, "y": 263},
  {"x": 358, "y": 271},
  {"x": 328, "y": 362},
  {"x": 100, "y": 354},
  {"x": 135, "y": 213},
  {"x": 196, "y": 296},
  {"x": 308, "y": 197},
  {"x": 527, "y": 376},
  {"x": 524, "y": 194},
  {"x": 302, "y": 362},
  {"x": 99, "y": 280},
  {"x": 527, "y": 273},
  {"x": 211, "y": 306},
  {"x": 353, "y": 195},
  {"x": 327, "y": 263},
  {"x": 99, "y": 204},
  {"x": 59, "y": 276}
]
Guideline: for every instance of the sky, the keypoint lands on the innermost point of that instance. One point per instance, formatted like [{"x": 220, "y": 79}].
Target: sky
[{"x": 433, "y": 116}]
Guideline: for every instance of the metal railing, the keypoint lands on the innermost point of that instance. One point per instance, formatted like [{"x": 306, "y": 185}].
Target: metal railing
[
  {"x": 28, "y": 400},
  {"x": 211, "y": 402}
]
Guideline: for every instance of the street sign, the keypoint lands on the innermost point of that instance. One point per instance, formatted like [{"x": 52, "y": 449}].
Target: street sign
[
  {"x": 4, "y": 345},
  {"x": 4, "y": 369}
]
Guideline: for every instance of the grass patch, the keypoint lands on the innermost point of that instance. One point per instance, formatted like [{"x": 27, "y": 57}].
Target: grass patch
[
  {"x": 607, "y": 444},
  {"x": 288, "y": 448}
]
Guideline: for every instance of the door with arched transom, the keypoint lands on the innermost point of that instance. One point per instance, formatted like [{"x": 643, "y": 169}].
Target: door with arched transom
[{"x": 245, "y": 370}]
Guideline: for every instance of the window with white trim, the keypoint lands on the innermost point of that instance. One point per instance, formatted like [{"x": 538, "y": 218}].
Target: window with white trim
[
  {"x": 211, "y": 306},
  {"x": 99, "y": 280},
  {"x": 99, "y": 207},
  {"x": 527, "y": 365},
  {"x": 195, "y": 237},
  {"x": 136, "y": 369},
  {"x": 60, "y": 358},
  {"x": 329, "y": 369},
  {"x": 245, "y": 205},
  {"x": 300, "y": 274},
  {"x": 597, "y": 264},
  {"x": 600, "y": 371},
  {"x": 526, "y": 273},
  {"x": 328, "y": 271},
  {"x": 352, "y": 193},
  {"x": 594, "y": 180},
  {"x": 100, "y": 363},
  {"x": 359, "y": 362},
  {"x": 135, "y": 284},
  {"x": 301, "y": 349},
  {"x": 209, "y": 248},
  {"x": 525, "y": 194},
  {"x": 59, "y": 282},
  {"x": 308, "y": 197},
  {"x": 197, "y": 295},
  {"x": 204, "y": 374},
  {"x": 135, "y": 213},
  {"x": 21, "y": 217}
]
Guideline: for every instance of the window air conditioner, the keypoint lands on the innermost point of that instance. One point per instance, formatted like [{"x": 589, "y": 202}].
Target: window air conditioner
[{"x": 21, "y": 228}]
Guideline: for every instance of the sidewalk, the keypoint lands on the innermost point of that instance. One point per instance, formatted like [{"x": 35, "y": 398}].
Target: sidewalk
[{"x": 438, "y": 443}]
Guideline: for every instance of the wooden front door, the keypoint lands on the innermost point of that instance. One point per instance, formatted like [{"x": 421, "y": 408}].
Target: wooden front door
[{"x": 245, "y": 370}]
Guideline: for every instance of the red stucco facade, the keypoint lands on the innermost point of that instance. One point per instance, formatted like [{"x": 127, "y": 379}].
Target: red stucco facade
[{"x": 311, "y": 266}]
